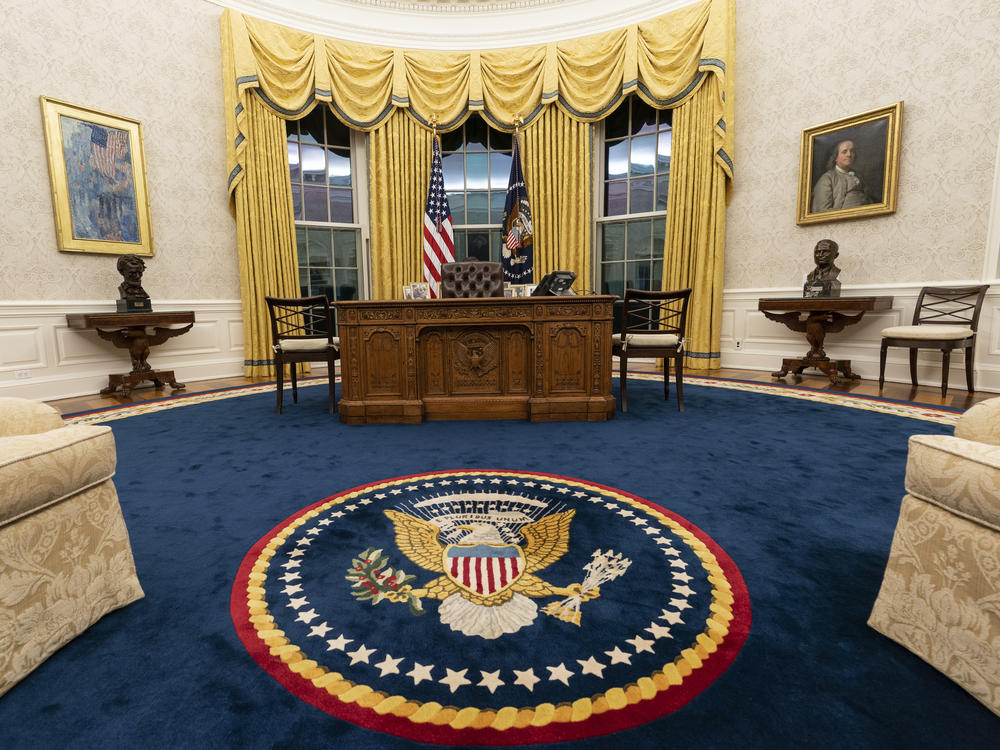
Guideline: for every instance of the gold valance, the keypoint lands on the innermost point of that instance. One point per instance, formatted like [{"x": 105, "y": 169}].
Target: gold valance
[{"x": 663, "y": 60}]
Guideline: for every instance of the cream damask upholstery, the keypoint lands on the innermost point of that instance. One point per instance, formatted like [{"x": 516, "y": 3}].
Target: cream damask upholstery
[
  {"x": 940, "y": 595},
  {"x": 65, "y": 558}
]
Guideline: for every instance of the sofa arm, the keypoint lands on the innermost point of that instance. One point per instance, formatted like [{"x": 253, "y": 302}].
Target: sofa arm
[
  {"x": 959, "y": 475},
  {"x": 981, "y": 423},
  {"x": 19, "y": 416},
  {"x": 40, "y": 470}
]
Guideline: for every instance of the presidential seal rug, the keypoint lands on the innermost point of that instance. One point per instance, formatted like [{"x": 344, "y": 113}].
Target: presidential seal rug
[{"x": 491, "y": 607}]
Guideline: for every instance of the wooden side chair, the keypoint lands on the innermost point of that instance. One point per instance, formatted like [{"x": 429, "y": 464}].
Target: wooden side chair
[
  {"x": 652, "y": 324},
  {"x": 302, "y": 331},
  {"x": 945, "y": 318}
]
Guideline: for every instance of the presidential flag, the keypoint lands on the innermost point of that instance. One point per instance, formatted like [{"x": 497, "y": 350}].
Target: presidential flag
[
  {"x": 439, "y": 240},
  {"x": 516, "y": 242}
]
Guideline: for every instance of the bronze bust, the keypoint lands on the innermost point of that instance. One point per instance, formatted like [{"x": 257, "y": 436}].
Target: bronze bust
[
  {"x": 133, "y": 297},
  {"x": 822, "y": 280}
]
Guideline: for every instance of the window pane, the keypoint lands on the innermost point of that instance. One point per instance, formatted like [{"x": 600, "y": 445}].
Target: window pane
[
  {"x": 338, "y": 170},
  {"x": 613, "y": 242},
  {"x": 294, "y": 166},
  {"x": 613, "y": 278},
  {"x": 341, "y": 205},
  {"x": 292, "y": 129},
  {"x": 311, "y": 126},
  {"x": 314, "y": 200},
  {"x": 477, "y": 175},
  {"x": 304, "y": 282},
  {"x": 300, "y": 245},
  {"x": 479, "y": 245},
  {"x": 616, "y": 160},
  {"x": 497, "y": 200},
  {"x": 318, "y": 242},
  {"x": 495, "y": 245},
  {"x": 640, "y": 195},
  {"x": 615, "y": 198},
  {"x": 345, "y": 248},
  {"x": 451, "y": 141},
  {"x": 643, "y": 117},
  {"x": 638, "y": 275},
  {"x": 457, "y": 203},
  {"x": 453, "y": 167},
  {"x": 657, "y": 274},
  {"x": 347, "y": 283},
  {"x": 337, "y": 133},
  {"x": 313, "y": 164},
  {"x": 642, "y": 160},
  {"x": 460, "y": 244},
  {"x": 659, "y": 235},
  {"x": 639, "y": 240},
  {"x": 475, "y": 134},
  {"x": 662, "y": 184},
  {"x": 616, "y": 124},
  {"x": 663, "y": 145},
  {"x": 500, "y": 170},
  {"x": 321, "y": 281},
  {"x": 477, "y": 208},
  {"x": 297, "y": 201}
]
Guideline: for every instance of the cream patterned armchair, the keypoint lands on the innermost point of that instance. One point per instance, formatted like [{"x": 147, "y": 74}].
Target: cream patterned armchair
[
  {"x": 940, "y": 596},
  {"x": 65, "y": 558}
]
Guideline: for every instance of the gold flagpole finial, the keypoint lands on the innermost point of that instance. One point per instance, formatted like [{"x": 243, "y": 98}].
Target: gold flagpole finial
[
  {"x": 434, "y": 124},
  {"x": 518, "y": 122}
]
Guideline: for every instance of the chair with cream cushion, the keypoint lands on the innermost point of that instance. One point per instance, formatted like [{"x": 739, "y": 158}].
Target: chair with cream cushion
[
  {"x": 940, "y": 595},
  {"x": 302, "y": 331},
  {"x": 65, "y": 557},
  {"x": 652, "y": 324},
  {"x": 945, "y": 318}
]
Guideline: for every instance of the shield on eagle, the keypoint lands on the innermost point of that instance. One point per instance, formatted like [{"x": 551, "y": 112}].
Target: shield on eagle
[{"x": 483, "y": 569}]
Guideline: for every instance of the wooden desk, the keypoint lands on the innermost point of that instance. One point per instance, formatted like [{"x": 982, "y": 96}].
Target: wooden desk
[
  {"x": 822, "y": 315},
  {"x": 130, "y": 331},
  {"x": 538, "y": 358}
]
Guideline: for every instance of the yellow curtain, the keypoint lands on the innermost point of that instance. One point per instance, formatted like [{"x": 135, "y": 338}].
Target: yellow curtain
[
  {"x": 398, "y": 173},
  {"x": 556, "y": 159}
]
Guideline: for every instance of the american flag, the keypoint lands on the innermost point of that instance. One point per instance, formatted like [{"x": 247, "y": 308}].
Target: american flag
[
  {"x": 107, "y": 146},
  {"x": 439, "y": 240}
]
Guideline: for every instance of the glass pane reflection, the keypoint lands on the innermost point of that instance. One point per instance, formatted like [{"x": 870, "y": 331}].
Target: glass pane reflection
[
  {"x": 341, "y": 205},
  {"x": 478, "y": 207},
  {"x": 613, "y": 278},
  {"x": 338, "y": 167},
  {"x": 642, "y": 160},
  {"x": 641, "y": 195},
  {"x": 613, "y": 241},
  {"x": 616, "y": 198},
  {"x": 345, "y": 248},
  {"x": 320, "y": 252},
  {"x": 314, "y": 200},
  {"x": 477, "y": 174},
  {"x": 313, "y": 164},
  {"x": 639, "y": 239}
]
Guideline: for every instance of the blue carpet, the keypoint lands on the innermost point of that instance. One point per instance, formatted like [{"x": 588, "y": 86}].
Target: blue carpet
[{"x": 802, "y": 496}]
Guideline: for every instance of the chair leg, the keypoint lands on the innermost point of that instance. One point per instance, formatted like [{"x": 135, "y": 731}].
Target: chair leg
[
  {"x": 970, "y": 359},
  {"x": 331, "y": 375},
  {"x": 945, "y": 366},
  {"x": 623, "y": 379},
  {"x": 679, "y": 374},
  {"x": 295, "y": 384},
  {"x": 913, "y": 367},
  {"x": 279, "y": 367},
  {"x": 881, "y": 365},
  {"x": 666, "y": 378}
]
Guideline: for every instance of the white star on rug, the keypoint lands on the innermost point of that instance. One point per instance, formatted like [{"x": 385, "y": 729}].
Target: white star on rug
[
  {"x": 290, "y": 577},
  {"x": 678, "y": 564},
  {"x": 560, "y": 673},
  {"x": 680, "y": 604},
  {"x": 658, "y": 631},
  {"x": 304, "y": 542},
  {"x": 680, "y": 577},
  {"x": 292, "y": 589},
  {"x": 339, "y": 643},
  {"x": 381, "y": 496},
  {"x": 351, "y": 507},
  {"x": 526, "y": 677},
  {"x": 491, "y": 680},
  {"x": 324, "y": 522},
  {"x": 314, "y": 531},
  {"x": 638, "y": 521},
  {"x": 307, "y": 616},
  {"x": 684, "y": 590},
  {"x": 292, "y": 564},
  {"x": 296, "y": 552},
  {"x": 361, "y": 653},
  {"x": 641, "y": 644},
  {"x": 591, "y": 666},
  {"x": 530, "y": 484},
  {"x": 674, "y": 618},
  {"x": 299, "y": 601},
  {"x": 420, "y": 672},
  {"x": 625, "y": 513},
  {"x": 619, "y": 657},
  {"x": 579, "y": 494},
  {"x": 321, "y": 630},
  {"x": 389, "y": 665},
  {"x": 455, "y": 680}
]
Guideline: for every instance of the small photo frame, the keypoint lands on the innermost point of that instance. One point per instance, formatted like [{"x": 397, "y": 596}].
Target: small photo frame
[
  {"x": 849, "y": 169},
  {"x": 420, "y": 290},
  {"x": 529, "y": 289},
  {"x": 407, "y": 291},
  {"x": 98, "y": 174}
]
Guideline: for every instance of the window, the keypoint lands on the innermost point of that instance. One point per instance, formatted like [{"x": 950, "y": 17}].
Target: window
[
  {"x": 634, "y": 177},
  {"x": 328, "y": 204},
  {"x": 476, "y": 162}
]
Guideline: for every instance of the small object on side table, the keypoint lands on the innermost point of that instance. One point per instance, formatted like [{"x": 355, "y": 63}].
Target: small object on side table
[{"x": 133, "y": 297}]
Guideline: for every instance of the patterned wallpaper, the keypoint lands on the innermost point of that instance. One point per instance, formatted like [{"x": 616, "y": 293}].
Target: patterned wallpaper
[
  {"x": 802, "y": 63},
  {"x": 159, "y": 63}
]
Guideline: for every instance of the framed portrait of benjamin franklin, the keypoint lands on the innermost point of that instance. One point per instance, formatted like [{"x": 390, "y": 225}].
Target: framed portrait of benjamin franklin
[
  {"x": 98, "y": 174},
  {"x": 849, "y": 168}
]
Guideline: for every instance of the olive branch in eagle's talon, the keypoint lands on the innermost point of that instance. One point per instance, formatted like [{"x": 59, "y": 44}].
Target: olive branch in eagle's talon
[{"x": 372, "y": 579}]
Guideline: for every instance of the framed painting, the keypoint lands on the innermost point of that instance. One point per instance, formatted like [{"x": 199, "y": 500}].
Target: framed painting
[
  {"x": 98, "y": 175},
  {"x": 849, "y": 169}
]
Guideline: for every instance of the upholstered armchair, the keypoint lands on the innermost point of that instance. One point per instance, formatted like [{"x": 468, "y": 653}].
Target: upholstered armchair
[
  {"x": 65, "y": 558},
  {"x": 940, "y": 595}
]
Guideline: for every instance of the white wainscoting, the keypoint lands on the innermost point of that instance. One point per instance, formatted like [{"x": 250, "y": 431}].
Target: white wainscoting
[
  {"x": 41, "y": 358},
  {"x": 752, "y": 342}
]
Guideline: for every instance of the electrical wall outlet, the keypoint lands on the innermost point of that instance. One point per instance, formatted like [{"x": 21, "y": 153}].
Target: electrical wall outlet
[
  {"x": 22, "y": 374},
  {"x": 739, "y": 343}
]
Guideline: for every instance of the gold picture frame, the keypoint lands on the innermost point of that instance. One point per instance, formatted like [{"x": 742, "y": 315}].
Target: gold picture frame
[
  {"x": 849, "y": 168},
  {"x": 97, "y": 170}
]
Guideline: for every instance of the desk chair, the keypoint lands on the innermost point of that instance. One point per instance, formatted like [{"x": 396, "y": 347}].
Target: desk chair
[
  {"x": 471, "y": 278},
  {"x": 652, "y": 324},
  {"x": 945, "y": 318},
  {"x": 302, "y": 331}
]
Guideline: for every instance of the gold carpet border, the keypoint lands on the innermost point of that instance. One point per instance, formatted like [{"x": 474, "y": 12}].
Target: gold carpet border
[
  {"x": 911, "y": 411},
  {"x": 616, "y": 698}
]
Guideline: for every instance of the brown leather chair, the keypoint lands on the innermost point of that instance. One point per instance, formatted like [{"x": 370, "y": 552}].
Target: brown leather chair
[{"x": 472, "y": 278}]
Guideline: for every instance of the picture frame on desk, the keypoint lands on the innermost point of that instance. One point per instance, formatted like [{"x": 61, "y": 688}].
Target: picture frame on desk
[
  {"x": 420, "y": 290},
  {"x": 97, "y": 171},
  {"x": 407, "y": 291}
]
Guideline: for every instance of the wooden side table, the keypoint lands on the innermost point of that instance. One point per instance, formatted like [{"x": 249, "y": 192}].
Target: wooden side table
[
  {"x": 822, "y": 315},
  {"x": 130, "y": 331}
]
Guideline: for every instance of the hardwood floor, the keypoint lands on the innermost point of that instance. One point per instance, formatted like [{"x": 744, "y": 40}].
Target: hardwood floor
[{"x": 957, "y": 398}]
